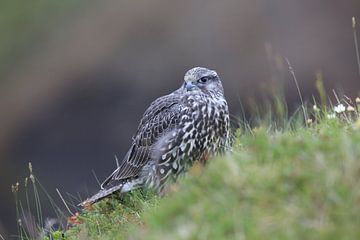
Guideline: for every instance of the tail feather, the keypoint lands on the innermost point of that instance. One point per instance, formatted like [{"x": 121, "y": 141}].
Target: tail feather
[
  {"x": 121, "y": 187},
  {"x": 100, "y": 195}
]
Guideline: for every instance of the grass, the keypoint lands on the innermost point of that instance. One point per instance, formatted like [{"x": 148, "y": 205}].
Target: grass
[
  {"x": 295, "y": 183},
  {"x": 112, "y": 218}
]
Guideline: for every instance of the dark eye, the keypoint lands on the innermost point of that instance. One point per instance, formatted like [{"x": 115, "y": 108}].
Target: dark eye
[{"x": 203, "y": 80}]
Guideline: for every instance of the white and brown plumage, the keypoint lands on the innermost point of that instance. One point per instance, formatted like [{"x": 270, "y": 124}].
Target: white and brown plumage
[{"x": 178, "y": 129}]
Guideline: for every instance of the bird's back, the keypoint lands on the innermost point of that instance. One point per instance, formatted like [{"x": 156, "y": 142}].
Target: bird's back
[{"x": 161, "y": 116}]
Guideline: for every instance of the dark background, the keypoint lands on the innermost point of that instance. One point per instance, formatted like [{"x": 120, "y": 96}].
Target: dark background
[{"x": 75, "y": 77}]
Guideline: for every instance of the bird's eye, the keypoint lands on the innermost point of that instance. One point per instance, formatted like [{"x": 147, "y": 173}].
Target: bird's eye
[{"x": 203, "y": 80}]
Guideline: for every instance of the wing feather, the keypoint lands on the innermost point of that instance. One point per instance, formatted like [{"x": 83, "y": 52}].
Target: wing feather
[{"x": 160, "y": 118}]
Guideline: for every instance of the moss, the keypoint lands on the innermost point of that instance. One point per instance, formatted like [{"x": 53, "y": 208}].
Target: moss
[{"x": 298, "y": 184}]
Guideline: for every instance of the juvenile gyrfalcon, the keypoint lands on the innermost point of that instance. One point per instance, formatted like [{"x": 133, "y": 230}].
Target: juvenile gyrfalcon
[{"x": 190, "y": 124}]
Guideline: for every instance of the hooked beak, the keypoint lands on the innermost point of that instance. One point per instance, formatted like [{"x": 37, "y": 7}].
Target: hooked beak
[{"x": 189, "y": 86}]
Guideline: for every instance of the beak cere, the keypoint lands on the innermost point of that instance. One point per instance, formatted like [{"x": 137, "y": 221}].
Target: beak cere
[{"x": 189, "y": 86}]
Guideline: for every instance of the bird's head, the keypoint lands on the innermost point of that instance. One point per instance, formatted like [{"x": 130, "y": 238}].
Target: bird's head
[{"x": 203, "y": 79}]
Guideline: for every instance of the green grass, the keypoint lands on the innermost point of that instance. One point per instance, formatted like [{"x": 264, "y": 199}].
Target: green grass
[
  {"x": 112, "y": 218},
  {"x": 297, "y": 183}
]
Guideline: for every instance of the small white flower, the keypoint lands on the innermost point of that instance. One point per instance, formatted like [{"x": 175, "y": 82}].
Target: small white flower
[
  {"x": 331, "y": 116},
  {"x": 357, "y": 100},
  {"x": 315, "y": 108},
  {"x": 339, "y": 108}
]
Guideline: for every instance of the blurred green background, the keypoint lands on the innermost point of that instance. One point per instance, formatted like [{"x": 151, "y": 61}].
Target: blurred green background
[{"x": 76, "y": 76}]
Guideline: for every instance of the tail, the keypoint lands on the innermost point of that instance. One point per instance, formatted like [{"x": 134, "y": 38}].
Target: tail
[
  {"x": 100, "y": 195},
  {"x": 103, "y": 193}
]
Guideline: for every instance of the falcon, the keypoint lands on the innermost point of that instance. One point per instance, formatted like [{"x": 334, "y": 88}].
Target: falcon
[{"x": 186, "y": 126}]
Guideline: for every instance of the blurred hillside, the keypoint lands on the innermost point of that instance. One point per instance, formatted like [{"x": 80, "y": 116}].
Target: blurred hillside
[{"x": 76, "y": 77}]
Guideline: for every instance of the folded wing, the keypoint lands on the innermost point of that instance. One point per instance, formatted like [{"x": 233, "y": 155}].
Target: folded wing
[{"x": 161, "y": 117}]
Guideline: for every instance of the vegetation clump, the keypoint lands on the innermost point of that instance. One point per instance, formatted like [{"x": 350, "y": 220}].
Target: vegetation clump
[{"x": 299, "y": 182}]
